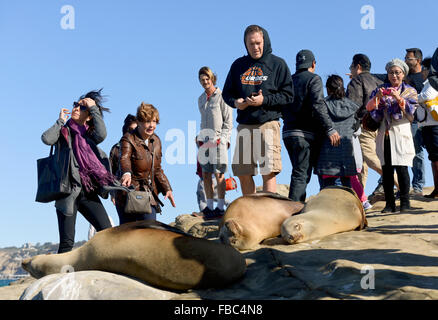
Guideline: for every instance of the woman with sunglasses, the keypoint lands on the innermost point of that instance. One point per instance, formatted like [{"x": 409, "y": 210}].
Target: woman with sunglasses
[
  {"x": 89, "y": 166},
  {"x": 393, "y": 105}
]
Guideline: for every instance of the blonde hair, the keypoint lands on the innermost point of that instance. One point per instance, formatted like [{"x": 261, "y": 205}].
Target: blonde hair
[
  {"x": 147, "y": 112},
  {"x": 207, "y": 72}
]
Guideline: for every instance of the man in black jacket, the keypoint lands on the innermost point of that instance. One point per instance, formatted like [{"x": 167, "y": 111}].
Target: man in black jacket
[
  {"x": 258, "y": 85},
  {"x": 413, "y": 59},
  {"x": 304, "y": 121},
  {"x": 359, "y": 90}
]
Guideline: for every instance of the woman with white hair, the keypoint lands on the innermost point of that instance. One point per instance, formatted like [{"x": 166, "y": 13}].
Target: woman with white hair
[{"x": 393, "y": 105}]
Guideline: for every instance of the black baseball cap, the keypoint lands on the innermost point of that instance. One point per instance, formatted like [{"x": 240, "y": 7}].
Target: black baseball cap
[{"x": 304, "y": 59}]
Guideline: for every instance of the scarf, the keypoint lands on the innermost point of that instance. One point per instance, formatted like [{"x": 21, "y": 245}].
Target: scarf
[
  {"x": 389, "y": 106},
  {"x": 92, "y": 172}
]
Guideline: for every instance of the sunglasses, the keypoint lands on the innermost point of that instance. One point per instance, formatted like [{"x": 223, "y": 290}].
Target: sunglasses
[{"x": 83, "y": 108}]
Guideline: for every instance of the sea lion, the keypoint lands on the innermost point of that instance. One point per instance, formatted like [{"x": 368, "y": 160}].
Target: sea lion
[
  {"x": 332, "y": 210},
  {"x": 151, "y": 251},
  {"x": 251, "y": 219}
]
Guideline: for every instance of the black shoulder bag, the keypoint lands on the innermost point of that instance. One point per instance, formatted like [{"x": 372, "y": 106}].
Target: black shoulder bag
[{"x": 54, "y": 175}]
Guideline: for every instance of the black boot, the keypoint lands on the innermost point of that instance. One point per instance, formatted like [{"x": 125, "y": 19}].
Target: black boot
[
  {"x": 434, "y": 193},
  {"x": 404, "y": 183},
  {"x": 390, "y": 207},
  {"x": 405, "y": 205}
]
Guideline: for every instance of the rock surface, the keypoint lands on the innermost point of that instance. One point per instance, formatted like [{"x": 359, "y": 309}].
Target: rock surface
[
  {"x": 396, "y": 257},
  {"x": 92, "y": 285}
]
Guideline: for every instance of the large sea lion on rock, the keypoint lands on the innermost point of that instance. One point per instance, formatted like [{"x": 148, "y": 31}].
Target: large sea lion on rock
[
  {"x": 251, "y": 219},
  {"x": 332, "y": 210},
  {"x": 151, "y": 251}
]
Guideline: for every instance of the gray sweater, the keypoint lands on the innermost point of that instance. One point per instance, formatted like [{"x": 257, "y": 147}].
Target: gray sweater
[
  {"x": 339, "y": 161},
  {"x": 216, "y": 118}
]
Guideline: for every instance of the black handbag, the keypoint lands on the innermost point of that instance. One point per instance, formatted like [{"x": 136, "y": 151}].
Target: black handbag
[{"x": 54, "y": 175}]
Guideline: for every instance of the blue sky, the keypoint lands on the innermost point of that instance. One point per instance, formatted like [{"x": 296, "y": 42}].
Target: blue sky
[{"x": 151, "y": 51}]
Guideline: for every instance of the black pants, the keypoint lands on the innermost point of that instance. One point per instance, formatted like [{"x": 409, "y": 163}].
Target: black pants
[
  {"x": 388, "y": 177},
  {"x": 90, "y": 206},
  {"x": 302, "y": 153}
]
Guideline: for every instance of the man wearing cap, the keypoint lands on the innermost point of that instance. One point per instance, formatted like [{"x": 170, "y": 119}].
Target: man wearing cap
[
  {"x": 259, "y": 85},
  {"x": 304, "y": 121},
  {"x": 413, "y": 59}
]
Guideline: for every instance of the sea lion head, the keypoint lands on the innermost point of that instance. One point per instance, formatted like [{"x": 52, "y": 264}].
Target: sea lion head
[
  {"x": 296, "y": 231},
  {"x": 42, "y": 265},
  {"x": 231, "y": 233}
]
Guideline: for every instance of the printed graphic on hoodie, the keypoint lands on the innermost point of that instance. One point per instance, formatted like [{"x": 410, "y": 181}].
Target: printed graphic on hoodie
[{"x": 253, "y": 76}]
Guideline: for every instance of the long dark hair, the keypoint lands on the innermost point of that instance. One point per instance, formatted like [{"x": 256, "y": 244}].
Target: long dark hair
[
  {"x": 335, "y": 87},
  {"x": 98, "y": 98},
  {"x": 129, "y": 120}
]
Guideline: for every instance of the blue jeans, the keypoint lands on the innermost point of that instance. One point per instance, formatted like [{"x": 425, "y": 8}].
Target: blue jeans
[
  {"x": 336, "y": 181},
  {"x": 418, "y": 170},
  {"x": 125, "y": 218}
]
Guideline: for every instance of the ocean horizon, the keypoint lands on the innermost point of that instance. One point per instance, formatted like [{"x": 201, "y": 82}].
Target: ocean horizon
[{"x": 4, "y": 283}]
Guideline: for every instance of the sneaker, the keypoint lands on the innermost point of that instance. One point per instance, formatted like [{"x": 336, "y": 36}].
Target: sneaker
[
  {"x": 367, "y": 205},
  {"x": 214, "y": 214},
  {"x": 416, "y": 192},
  {"x": 203, "y": 213}
]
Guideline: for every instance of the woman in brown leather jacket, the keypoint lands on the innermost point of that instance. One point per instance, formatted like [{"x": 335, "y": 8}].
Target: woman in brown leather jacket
[{"x": 138, "y": 147}]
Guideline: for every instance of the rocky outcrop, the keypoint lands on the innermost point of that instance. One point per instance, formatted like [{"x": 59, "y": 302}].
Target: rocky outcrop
[{"x": 11, "y": 257}]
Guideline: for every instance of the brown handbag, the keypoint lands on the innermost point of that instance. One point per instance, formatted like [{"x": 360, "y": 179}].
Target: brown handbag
[{"x": 369, "y": 123}]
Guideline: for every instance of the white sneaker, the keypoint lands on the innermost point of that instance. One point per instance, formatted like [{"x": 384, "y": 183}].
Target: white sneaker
[{"x": 366, "y": 205}]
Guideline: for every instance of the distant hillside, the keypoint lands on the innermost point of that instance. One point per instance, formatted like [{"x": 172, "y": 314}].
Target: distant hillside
[{"x": 11, "y": 257}]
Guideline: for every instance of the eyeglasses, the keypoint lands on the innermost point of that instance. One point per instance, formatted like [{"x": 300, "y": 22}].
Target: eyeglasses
[
  {"x": 406, "y": 58},
  {"x": 83, "y": 108},
  {"x": 395, "y": 73}
]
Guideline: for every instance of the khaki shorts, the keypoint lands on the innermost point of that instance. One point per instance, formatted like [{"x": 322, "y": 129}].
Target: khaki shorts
[
  {"x": 214, "y": 160},
  {"x": 257, "y": 145}
]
